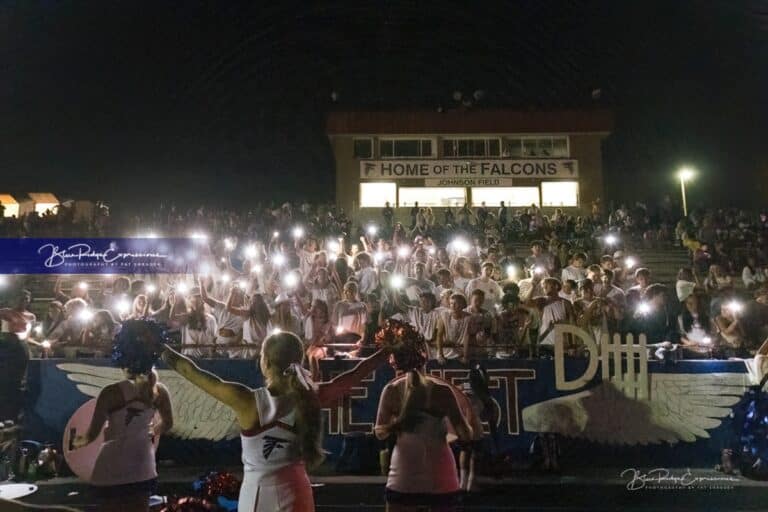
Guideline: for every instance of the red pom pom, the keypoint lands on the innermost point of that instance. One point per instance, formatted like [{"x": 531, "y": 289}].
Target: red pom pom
[
  {"x": 220, "y": 484},
  {"x": 405, "y": 342},
  {"x": 190, "y": 504}
]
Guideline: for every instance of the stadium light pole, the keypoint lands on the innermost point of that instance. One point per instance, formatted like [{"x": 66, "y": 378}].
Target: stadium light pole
[{"x": 685, "y": 174}]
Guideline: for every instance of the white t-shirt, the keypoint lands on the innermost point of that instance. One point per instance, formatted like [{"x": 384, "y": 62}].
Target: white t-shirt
[
  {"x": 367, "y": 281},
  {"x": 207, "y": 335},
  {"x": 617, "y": 295},
  {"x": 306, "y": 260},
  {"x": 425, "y": 323},
  {"x": 574, "y": 273},
  {"x": 456, "y": 332},
  {"x": 351, "y": 316},
  {"x": 328, "y": 294},
  {"x": 226, "y": 320},
  {"x": 461, "y": 283},
  {"x": 491, "y": 288}
]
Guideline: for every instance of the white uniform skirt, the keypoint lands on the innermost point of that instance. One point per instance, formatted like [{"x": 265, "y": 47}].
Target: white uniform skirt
[{"x": 287, "y": 490}]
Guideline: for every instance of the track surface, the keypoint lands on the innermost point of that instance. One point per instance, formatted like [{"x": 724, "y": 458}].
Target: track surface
[{"x": 596, "y": 490}]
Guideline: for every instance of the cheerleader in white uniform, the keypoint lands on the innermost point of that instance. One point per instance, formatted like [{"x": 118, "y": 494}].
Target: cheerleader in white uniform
[
  {"x": 280, "y": 423},
  {"x": 124, "y": 472}
]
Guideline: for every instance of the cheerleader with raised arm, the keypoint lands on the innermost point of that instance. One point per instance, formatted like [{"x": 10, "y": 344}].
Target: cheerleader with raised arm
[{"x": 280, "y": 423}]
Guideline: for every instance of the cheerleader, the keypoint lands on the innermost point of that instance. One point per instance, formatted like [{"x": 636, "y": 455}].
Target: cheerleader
[
  {"x": 280, "y": 423},
  {"x": 423, "y": 413},
  {"x": 124, "y": 471}
]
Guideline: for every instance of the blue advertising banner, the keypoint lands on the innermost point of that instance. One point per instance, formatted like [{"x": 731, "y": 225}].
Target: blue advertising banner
[
  {"x": 100, "y": 255},
  {"x": 685, "y": 420}
]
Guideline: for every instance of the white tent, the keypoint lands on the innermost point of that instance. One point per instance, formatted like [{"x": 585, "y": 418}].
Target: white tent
[
  {"x": 10, "y": 204},
  {"x": 44, "y": 201}
]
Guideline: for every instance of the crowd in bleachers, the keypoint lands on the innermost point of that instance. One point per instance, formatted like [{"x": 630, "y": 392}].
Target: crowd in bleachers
[{"x": 461, "y": 282}]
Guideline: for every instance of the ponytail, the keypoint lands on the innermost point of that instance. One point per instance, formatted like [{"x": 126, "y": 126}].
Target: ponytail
[
  {"x": 415, "y": 399},
  {"x": 308, "y": 421},
  {"x": 284, "y": 354}
]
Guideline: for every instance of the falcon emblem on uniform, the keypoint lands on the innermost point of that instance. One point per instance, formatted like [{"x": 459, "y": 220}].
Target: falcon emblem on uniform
[{"x": 270, "y": 443}]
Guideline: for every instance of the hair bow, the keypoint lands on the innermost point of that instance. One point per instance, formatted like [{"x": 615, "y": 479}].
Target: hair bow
[{"x": 303, "y": 376}]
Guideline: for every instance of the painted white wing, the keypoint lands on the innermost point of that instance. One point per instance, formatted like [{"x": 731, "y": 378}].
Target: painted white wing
[
  {"x": 196, "y": 414},
  {"x": 682, "y": 407},
  {"x": 91, "y": 379}
]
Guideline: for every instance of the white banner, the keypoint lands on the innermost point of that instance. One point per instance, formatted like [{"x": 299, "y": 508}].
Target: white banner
[
  {"x": 421, "y": 169},
  {"x": 468, "y": 182}
]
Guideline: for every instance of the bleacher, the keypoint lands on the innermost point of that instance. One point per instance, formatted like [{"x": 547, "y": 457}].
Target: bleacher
[{"x": 664, "y": 263}]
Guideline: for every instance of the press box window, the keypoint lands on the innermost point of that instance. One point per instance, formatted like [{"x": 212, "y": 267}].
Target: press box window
[
  {"x": 512, "y": 196},
  {"x": 468, "y": 148},
  {"x": 536, "y": 147},
  {"x": 405, "y": 148},
  {"x": 559, "y": 193},
  {"x": 433, "y": 196},
  {"x": 374, "y": 195},
  {"x": 363, "y": 148}
]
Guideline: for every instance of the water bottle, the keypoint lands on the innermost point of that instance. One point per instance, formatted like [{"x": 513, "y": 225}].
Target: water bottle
[
  {"x": 6, "y": 472},
  {"x": 32, "y": 470},
  {"x": 23, "y": 464}
]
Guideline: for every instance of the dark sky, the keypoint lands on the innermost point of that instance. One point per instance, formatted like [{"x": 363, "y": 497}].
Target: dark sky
[{"x": 153, "y": 99}]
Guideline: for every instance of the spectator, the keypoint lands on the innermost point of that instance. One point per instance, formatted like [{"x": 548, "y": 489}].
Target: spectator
[
  {"x": 575, "y": 271},
  {"x": 717, "y": 281},
  {"x": 257, "y": 325},
  {"x": 554, "y": 310},
  {"x": 695, "y": 328},
  {"x": 539, "y": 258},
  {"x": 482, "y": 328},
  {"x": 99, "y": 333},
  {"x": 286, "y": 318},
  {"x": 569, "y": 291},
  {"x": 198, "y": 327},
  {"x": 732, "y": 334},
  {"x": 425, "y": 318},
  {"x": 387, "y": 214},
  {"x": 642, "y": 282},
  {"x": 319, "y": 332},
  {"x": 229, "y": 326},
  {"x": 653, "y": 317},
  {"x": 589, "y": 311},
  {"x": 350, "y": 314},
  {"x": 753, "y": 276},
  {"x": 453, "y": 336},
  {"x": 513, "y": 327},
  {"x": 414, "y": 214},
  {"x": 492, "y": 292}
]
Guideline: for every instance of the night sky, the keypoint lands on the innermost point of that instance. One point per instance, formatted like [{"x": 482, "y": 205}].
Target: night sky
[{"x": 127, "y": 100}]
